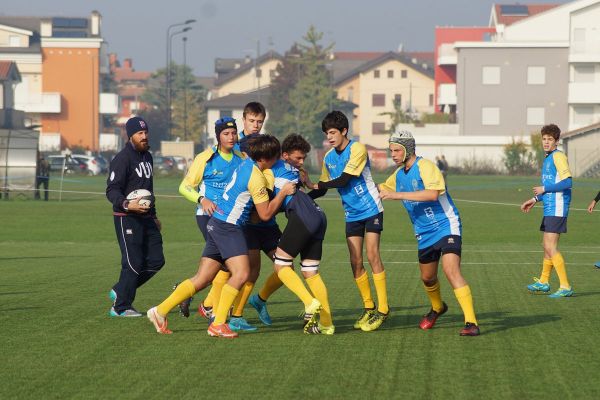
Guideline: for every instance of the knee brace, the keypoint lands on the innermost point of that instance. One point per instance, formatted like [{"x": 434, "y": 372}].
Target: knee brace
[
  {"x": 282, "y": 261},
  {"x": 309, "y": 266}
]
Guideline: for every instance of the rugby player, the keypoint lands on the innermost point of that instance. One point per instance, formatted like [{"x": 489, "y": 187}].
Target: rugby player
[{"x": 591, "y": 210}]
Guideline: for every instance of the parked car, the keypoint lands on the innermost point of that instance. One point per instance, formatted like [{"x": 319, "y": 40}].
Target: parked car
[
  {"x": 164, "y": 164},
  {"x": 181, "y": 163},
  {"x": 71, "y": 165},
  {"x": 92, "y": 163}
]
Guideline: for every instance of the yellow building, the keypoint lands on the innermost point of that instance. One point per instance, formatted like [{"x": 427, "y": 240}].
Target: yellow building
[{"x": 247, "y": 75}]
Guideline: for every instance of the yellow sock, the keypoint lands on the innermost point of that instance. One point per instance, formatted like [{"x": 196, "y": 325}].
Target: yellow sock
[
  {"x": 463, "y": 295},
  {"x": 228, "y": 295},
  {"x": 212, "y": 300},
  {"x": 381, "y": 290},
  {"x": 546, "y": 270},
  {"x": 365, "y": 290},
  {"x": 242, "y": 299},
  {"x": 294, "y": 283},
  {"x": 561, "y": 270},
  {"x": 317, "y": 286},
  {"x": 183, "y": 291},
  {"x": 435, "y": 296},
  {"x": 271, "y": 285}
]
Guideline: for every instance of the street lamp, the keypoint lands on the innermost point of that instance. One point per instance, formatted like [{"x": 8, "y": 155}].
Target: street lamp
[
  {"x": 168, "y": 62},
  {"x": 185, "y": 84},
  {"x": 169, "y": 73}
]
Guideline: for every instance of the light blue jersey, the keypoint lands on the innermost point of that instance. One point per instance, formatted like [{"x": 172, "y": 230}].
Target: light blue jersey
[
  {"x": 284, "y": 173},
  {"x": 360, "y": 197},
  {"x": 432, "y": 220},
  {"x": 554, "y": 170}
]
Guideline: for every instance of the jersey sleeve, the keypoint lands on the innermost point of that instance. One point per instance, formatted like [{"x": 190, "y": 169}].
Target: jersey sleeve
[
  {"x": 431, "y": 176},
  {"x": 270, "y": 177},
  {"x": 257, "y": 186},
  {"x": 325, "y": 177},
  {"x": 189, "y": 185},
  {"x": 358, "y": 159},
  {"x": 562, "y": 165},
  {"x": 390, "y": 183}
]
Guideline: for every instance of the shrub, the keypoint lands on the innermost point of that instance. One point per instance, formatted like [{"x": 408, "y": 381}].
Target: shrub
[{"x": 518, "y": 160}]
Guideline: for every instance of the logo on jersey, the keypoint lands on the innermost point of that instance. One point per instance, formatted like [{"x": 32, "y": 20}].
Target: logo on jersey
[
  {"x": 112, "y": 176},
  {"x": 209, "y": 228},
  {"x": 376, "y": 221},
  {"x": 144, "y": 169},
  {"x": 450, "y": 240},
  {"x": 415, "y": 185},
  {"x": 129, "y": 231},
  {"x": 359, "y": 189}
]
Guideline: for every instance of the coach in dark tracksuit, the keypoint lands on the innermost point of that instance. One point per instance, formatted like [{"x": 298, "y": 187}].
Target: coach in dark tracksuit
[{"x": 136, "y": 226}]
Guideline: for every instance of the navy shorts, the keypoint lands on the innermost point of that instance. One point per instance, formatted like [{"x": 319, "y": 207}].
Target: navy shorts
[
  {"x": 297, "y": 239},
  {"x": 202, "y": 220},
  {"x": 262, "y": 237},
  {"x": 371, "y": 224},
  {"x": 447, "y": 244},
  {"x": 554, "y": 224},
  {"x": 224, "y": 241}
]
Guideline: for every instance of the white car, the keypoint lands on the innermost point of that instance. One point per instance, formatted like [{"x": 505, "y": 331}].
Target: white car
[
  {"x": 181, "y": 163},
  {"x": 93, "y": 165}
]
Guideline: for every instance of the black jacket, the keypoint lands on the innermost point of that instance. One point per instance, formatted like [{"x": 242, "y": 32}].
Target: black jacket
[{"x": 129, "y": 170}]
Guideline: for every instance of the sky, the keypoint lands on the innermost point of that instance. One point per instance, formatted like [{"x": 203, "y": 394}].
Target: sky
[{"x": 137, "y": 29}]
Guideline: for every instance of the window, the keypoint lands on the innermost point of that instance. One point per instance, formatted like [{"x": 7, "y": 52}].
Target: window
[
  {"x": 583, "y": 115},
  {"x": 535, "y": 116},
  {"x": 14, "y": 41},
  {"x": 490, "y": 116},
  {"x": 536, "y": 75},
  {"x": 390, "y": 73},
  {"x": 490, "y": 75},
  {"x": 376, "y": 73},
  {"x": 584, "y": 73},
  {"x": 258, "y": 73},
  {"x": 350, "y": 96},
  {"x": 378, "y": 128},
  {"x": 578, "y": 40},
  {"x": 224, "y": 113},
  {"x": 398, "y": 100},
  {"x": 404, "y": 74},
  {"x": 379, "y": 100},
  {"x": 430, "y": 100}
]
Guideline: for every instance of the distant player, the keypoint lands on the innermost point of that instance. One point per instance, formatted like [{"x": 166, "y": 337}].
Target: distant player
[
  {"x": 205, "y": 182},
  {"x": 346, "y": 167},
  {"x": 420, "y": 185},
  {"x": 226, "y": 243},
  {"x": 555, "y": 192},
  {"x": 590, "y": 210}
]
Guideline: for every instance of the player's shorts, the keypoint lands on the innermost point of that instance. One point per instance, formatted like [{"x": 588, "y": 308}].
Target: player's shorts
[
  {"x": 554, "y": 224},
  {"x": 202, "y": 220},
  {"x": 224, "y": 241},
  {"x": 447, "y": 244},
  {"x": 297, "y": 239},
  {"x": 371, "y": 224},
  {"x": 260, "y": 237}
]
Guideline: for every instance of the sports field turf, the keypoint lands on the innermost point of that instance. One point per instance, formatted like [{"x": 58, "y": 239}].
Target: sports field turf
[{"x": 58, "y": 261}]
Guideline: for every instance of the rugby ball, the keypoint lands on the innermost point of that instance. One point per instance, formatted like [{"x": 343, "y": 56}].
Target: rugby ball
[{"x": 146, "y": 197}]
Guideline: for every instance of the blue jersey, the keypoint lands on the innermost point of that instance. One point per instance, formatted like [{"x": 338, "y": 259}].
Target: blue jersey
[
  {"x": 432, "y": 220},
  {"x": 360, "y": 197},
  {"x": 208, "y": 175},
  {"x": 248, "y": 186},
  {"x": 554, "y": 170}
]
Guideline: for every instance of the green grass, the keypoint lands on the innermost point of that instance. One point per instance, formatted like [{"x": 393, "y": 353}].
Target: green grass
[{"x": 58, "y": 260}]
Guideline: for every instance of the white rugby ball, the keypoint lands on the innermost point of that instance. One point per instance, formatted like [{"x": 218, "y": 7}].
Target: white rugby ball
[{"x": 146, "y": 197}]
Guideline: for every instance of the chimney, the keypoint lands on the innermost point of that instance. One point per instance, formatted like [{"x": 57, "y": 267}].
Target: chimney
[
  {"x": 96, "y": 19},
  {"x": 127, "y": 64},
  {"x": 112, "y": 60},
  {"x": 46, "y": 27}
]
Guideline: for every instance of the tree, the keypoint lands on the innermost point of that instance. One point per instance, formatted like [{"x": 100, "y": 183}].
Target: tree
[{"x": 398, "y": 116}]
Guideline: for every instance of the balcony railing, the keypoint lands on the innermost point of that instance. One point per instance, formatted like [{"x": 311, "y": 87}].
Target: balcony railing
[
  {"x": 447, "y": 54},
  {"x": 41, "y": 103}
]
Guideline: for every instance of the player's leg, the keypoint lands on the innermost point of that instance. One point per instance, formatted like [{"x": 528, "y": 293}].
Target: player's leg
[
  {"x": 551, "y": 251},
  {"x": 428, "y": 265},
  {"x": 355, "y": 232},
  {"x": 311, "y": 259},
  {"x": 153, "y": 252},
  {"x": 259, "y": 300},
  {"x": 237, "y": 322}
]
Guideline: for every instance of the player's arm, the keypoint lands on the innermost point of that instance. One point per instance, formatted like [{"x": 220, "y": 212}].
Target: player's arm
[
  {"x": 593, "y": 203},
  {"x": 564, "y": 173},
  {"x": 189, "y": 185},
  {"x": 257, "y": 186},
  {"x": 433, "y": 181},
  {"x": 354, "y": 167},
  {"x": 116, "y": 185}
]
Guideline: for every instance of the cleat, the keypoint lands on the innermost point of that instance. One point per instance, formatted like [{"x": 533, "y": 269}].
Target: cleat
[
  {"x": 238, "y": 324},
  {"x": 205, "y": 312},
  {"x": 429, "y": 319},
  {"x": 160, "y": 323},
  {"x": 597, "y": 265},
  {"x": 562, "y": 292},
  {"x": 364, "y": 317},
  {"x": 374, "y": 322},
  {"x": 538, "y": 287},
  {"x": 184, "y": 306},
  {"x": 112, "y": 295},
  {"x": 127, "y": 313},
  {"x": 221, "y": 331},
  {"x": 470, "y": 329},
  {"x": 319, "y": 329},
  {"x": 261, "y": 308},
  {"x": 310, "y": 315}
]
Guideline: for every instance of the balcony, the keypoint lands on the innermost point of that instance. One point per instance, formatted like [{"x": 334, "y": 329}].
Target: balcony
[
  {"x": 582, "y": 52},
  {"x": 447, "y": 54},
  {"x": 447, "y": 94},
  {"x": 584, "y": 93},
  {"x": 40, "y": 103},
  {"x": 109, "y": 103}
]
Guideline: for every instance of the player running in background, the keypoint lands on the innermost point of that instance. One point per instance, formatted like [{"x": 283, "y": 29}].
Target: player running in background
[
  {"x": 591, "y": 210},
  {"x": 205, "y": 182},
  {"x": 346, "y": 167},
  {"x": 303, "y": 235},
  {"x": 420, "y": 185},
  {"x": 226, "y": 243},
  {"x": 555, "y": 192}
]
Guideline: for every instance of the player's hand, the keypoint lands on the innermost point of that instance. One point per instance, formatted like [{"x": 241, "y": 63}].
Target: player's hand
[
  {"x": 288, "y": 189},
  {"x": 528, "y": 205},
  {"x": 134, "y": 206},
  {"x": 591, "y": 206},
  {"x": 158, "y": 224},
  {"x": 208, "y": 206},
  {"x": 387, "y": 195},
  {"x": 538, "y": 190}
]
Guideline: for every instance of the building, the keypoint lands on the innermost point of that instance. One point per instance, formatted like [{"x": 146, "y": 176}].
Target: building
[
  {"x": 131, "y": 84},
  {"x": 61, "y": 60},
  {"x": 245, "y": 75}
]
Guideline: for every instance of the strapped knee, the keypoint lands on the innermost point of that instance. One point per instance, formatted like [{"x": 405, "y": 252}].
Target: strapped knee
[
  {"x": 282, "y": 260},
  {"x": 309, "y": 266}
]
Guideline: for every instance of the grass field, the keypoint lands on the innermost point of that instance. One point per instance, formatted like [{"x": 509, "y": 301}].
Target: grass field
[{"x": 59, "y": 259}]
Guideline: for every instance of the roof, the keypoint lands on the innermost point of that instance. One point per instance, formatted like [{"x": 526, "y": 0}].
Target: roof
[
  {"x": 9, "y": 71},
  {"x": 247, "y": 67},
  {"x": 404, "y": 58},
  {"x": 27, "y": 23},
  {"x": 507, "y": 14},
  {"x": 207, "y": 82},
  {"x": 131, "y": 91},
  {"x": 126, "y": 74},
  {"x": 226, "y": 65},
  {"x": 580, "y": 131}
]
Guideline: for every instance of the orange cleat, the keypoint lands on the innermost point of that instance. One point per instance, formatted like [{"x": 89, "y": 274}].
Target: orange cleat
[
  {"x": 160, "y": 323},
  {"x": 221, "y": 330}
]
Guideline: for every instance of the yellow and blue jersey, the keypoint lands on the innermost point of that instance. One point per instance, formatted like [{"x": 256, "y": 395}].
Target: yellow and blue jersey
[
  {"x": 248, "y": 186},
  {"x": 208, "y": 175},
  {"x": 283, "y": 173},
  {"x": 360, "y": 197},
  {"x": 555, "y": 169},
  {"x": 432, "y": 220}
]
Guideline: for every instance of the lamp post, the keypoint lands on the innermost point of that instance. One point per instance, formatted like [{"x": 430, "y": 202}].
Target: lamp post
[
  {"x": 168, "y": 68},
  {"x": 185, "y": 84},
  {"x": 169, "y": 73}
]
